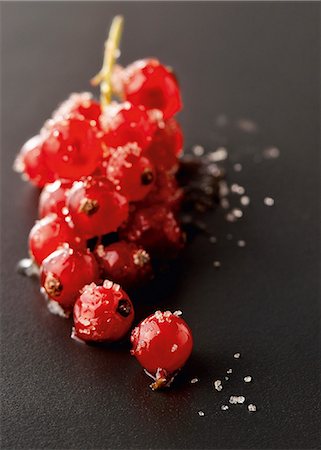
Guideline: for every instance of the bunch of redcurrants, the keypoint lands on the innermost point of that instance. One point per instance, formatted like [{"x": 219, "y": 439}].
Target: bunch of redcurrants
[{"x": 107, "y": 174}]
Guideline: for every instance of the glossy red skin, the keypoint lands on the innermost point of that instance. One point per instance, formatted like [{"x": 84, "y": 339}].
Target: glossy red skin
[
  {"x": 126, "y": 168},
  {"x": 31, "y": 163},
  {"x": 72, "y": 148},
  {"x": 48, "y": 234},
  {"x": 166, "y": 146},
  {"x": 53, "y": 198},
  {"x": 112, "y": 207},
  {"x": 81, "y": 105},
  {"x": 156, "y": 229},
  {"x": 96, "y": 317},
  {"x": 124, "y": 123},
  {"x": 165, "y": 192},
  {"x": 120, "y": 263},
  {"x": 155, "y": 339},
  {"x": 73, "y": 269},
  {"x": 149, "y": 83}
]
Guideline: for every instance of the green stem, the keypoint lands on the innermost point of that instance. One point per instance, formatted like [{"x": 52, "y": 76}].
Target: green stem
[{"x": 110, "y": 55}]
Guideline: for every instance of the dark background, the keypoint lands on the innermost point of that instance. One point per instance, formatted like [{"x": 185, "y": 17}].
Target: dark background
[{"x": 246, "y": 60}]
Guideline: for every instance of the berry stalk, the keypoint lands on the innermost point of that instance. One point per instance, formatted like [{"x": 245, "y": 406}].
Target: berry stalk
[{"x": 110, "y": 55}]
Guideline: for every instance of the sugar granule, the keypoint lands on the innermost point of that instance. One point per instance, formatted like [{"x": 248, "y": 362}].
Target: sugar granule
[
  {"x": 218, "y": 385},
  {"x": 248, "y": 379},
  {"x": 224, "y": 407},
  {"x": 251, "y": 407},
  {"x": 201, "y": 413},
  {"x": 269, "y": 201},
  {"x": 198, "y": 150},
  {"x": 237, "y": 355},
  {"x": 237, "y": 167},
  {"x": 194, "y": 380},
  {"x": 241, "y": 243},
  {"x": 237, "y": 399},
  {"x": 217, "y": 264},
  {"x": 245, "y": 200},
  {"x": 229, "y": 371}
]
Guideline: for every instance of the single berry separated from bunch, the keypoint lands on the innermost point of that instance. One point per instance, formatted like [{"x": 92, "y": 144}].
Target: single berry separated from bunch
[{"x": 162, "y": 343}]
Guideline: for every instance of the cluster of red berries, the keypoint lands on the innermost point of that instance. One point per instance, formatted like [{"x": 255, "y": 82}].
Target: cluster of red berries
[{"x": 111, "y": 169}]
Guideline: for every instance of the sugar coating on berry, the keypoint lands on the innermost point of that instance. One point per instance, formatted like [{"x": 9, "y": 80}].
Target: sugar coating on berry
[{"x": 103, "y": 313}]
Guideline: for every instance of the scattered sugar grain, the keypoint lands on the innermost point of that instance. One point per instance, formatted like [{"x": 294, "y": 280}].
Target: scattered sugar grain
[
  {"x": 248, "y": 379},
  {"x": 229, "y": 371},
  {"x": 237, "y": 189},
  {"x": 251, "y": 407},
  {"x": 245, "y": 200},
  {"x": 194, "y": 380},
  {"x": 217, "y": 264},
  {"x": 237, "y": 355},
  {"x": 213, "y": 239},
  {"x": 201, "y": 413},
  {"x": 218, "y": 385},
  {"x": 238, "y": 213},
  {"x": 268, "y": 201},
  {"x": 237, "y": 399},
  {"x": 224, "y": 407},
  {"x": 271, "y": 153},
  {"x": 237, "y": 167},
  {"x": 198, "y": 150},
  {"x": 241, "y": 243}
]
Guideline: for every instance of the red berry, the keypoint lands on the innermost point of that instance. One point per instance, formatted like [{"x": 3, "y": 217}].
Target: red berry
[
  {"x": 48, "y": 234},
  {"x": 79, "y": 105},
  {"x": 103, "y": 313},
  {"x": 132, "y": 173},
  {"x": 149, "y": 83},
  {"x": 72, "y": 148},
  {"x": 166, "y": 146},
  {"x": 31, "y": 163},
  {"x": 165, "y": 191},
  {"x": 124, "y": 263},
  {"x": 162, "y": 343},
  {"x": 95, "y": 207},
  {"x": 65, "y": 272},
  {"x": 155, "y": 229},
  {"x": 53, "y": 198},
  {"x": 124, "y": 123}
]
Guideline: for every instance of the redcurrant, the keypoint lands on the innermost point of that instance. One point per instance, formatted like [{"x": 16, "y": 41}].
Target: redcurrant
[
  {"x": 53, "y": 198},
  {"x": 124, "y": 123},
  {"x": 79, "y": 105},
  {"x": 48, "y": 234},
  {"x": 95, "y": 207},
  {"x": 31, "y": 163},
  {"x": 132, "y": 173},
  {"x": 72, "y": 148},
  {"x": 155, "y": 229},
  {"x": 165, "y": 191},
  {"x": 166, "y": 146},
  {"x": 65, "y": 271},
  {"x": 103, "y": 313},
  {"x": 162, "y": 343},
  {"x": 124, "y": 263},
  {"x": 149, "y": 83}
]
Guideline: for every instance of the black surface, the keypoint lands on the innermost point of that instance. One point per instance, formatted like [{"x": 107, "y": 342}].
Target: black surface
[{"x": 248, "y": 60}]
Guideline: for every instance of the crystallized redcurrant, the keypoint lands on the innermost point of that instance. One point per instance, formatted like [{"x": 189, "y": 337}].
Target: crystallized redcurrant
[
  {"x": 147, "y": 82},
  {"x": 132, "y": 173},
  {"x": 124, "y": 123},
  {"x": 95, "y": 207},
  {"x": 166, "y": 146},
  {"x": 125, "y": 263},
  {"x": 103, "y": 313},
  {"x": 48, "y": 234},
  {"x": 72, "y": 148},
  {"x": 65, "y": 272},
  {"x": 162, "y": 343},
  {"x": 165, "y": 191},
  {"x": 31, "y": 163},
  {"x": 53, "y": 198},
  {"x": 79, "y": 105},
  {"x": 156, "y": 229}
]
